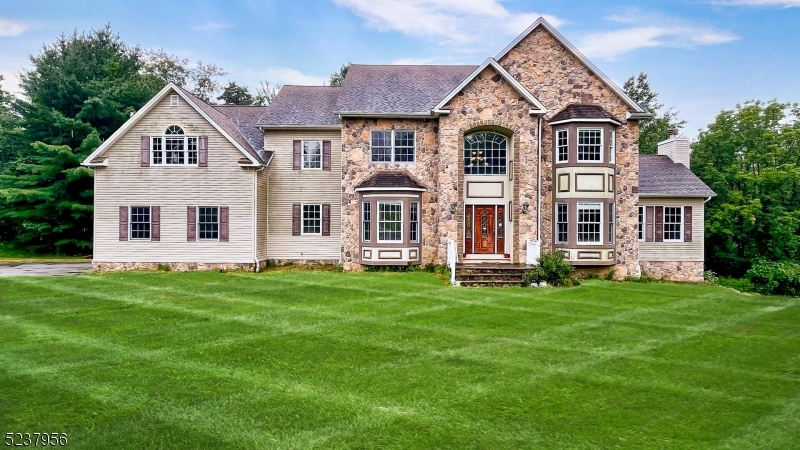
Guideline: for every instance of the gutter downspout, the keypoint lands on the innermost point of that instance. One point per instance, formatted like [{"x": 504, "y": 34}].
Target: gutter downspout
[{"x": 255, "y": 218}]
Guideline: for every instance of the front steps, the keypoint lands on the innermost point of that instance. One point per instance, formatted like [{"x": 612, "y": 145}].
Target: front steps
[{"x": 490, "y": 274}]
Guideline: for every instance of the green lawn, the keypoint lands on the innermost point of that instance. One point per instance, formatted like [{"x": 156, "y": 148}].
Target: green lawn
[
  {"x": 394, "y": 360},
  {"x": 10, "y": 255}
]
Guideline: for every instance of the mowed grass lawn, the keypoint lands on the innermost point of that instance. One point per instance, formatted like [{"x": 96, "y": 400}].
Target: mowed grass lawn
[{"x": 394, "y": 360}]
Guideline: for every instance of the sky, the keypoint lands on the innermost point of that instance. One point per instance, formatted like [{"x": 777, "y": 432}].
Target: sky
[{"x": 702, "y": 56}]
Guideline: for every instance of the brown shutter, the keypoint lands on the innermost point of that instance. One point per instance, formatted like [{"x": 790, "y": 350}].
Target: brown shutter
[
  {"x": 202, "y": 151},
  {"x": 326, "y": 155},
  {"x": 650, "y": 213},
  {"x": 223, "y": 223},
  {"x": 155, "y": 223},
  {"x": 297, "y": 148},
  {"x": 659, "y": 224},
  {"x": 687, "y": 224},
  {"x": 296, "y": 219},
  {"x": 145, "y": 151},
  {"x": 191, "y": 223},
  {"x": 326, "y": 220},
  {"x": 123, "y": 223}
]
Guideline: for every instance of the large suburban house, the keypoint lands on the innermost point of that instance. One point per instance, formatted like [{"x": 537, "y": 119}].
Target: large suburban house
[{"x": 533, "y": 150}]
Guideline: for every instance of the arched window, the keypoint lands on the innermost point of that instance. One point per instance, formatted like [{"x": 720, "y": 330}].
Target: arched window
[
  {"x": 485, "y": 153},
  {"x": 174, "y": 147}
]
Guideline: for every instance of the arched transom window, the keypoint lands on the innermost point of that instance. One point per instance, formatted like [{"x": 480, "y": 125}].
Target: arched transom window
[
  {"x": 485, "y": 153},
  {"x": 174, "y": 147}
]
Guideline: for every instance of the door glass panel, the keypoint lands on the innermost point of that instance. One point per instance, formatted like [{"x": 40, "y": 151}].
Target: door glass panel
[{"x": 484, "y": 224}]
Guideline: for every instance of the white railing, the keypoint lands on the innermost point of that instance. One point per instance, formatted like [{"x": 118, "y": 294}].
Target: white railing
[
  {"x": 534, "y": 250},
  {"x": 452, "y": 259}
]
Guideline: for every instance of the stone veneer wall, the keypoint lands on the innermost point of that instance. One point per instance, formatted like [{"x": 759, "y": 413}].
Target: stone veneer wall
[
  {"x": 178, "y": 267},
  {"x": 552, "y": 74},
  {"x": 357, "y": 167},
  {"x": 683, "y": 271}
]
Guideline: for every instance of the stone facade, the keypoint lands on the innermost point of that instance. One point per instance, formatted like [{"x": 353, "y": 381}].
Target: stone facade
[
  {"x": 177, "y": 267},
  {"x": 682, "y": 271}
]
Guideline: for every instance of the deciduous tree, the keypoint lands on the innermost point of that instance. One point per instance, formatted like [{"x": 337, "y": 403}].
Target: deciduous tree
[{"x": 654, "y": 130}]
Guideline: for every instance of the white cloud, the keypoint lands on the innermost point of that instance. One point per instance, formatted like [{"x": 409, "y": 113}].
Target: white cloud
[
  {"x": 454, "y": 22},
  {"x": 286, "y": 75},
  {"x": 780, "y": 3},
  {"x": 10, "y": 81},
  {"x": 10, "y": 28},
  {"x": 212, "y": 26}
]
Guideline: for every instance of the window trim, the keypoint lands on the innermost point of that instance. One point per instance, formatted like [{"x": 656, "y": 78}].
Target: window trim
[
  {"x": 150, "y": 222},
  {"x": 577, "y": 223},
  {"x": 578, "y": 145},
  {"x": 303, "y": 155},
  {"x": 303, "y": 219},
  {"x": 558, "y": 222},
  {"x": 164, "y": 136},
  {"x": 392, "y": 154},
  {"x": 664, "y": 219},
  {"x": 378, "y": 221},
  {"x": 640, "y": 228},
  {"x": 197, "y": 224},
  {"x": 173, "y": 100},
  {"x": 558, "y": 146}
]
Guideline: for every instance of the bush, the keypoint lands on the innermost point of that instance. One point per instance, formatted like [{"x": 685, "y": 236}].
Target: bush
[
  {"x": 710, "y": 277},
  {"x": 609, "y": 276},
  {"x": 740, "y": 284},
  {"x": 553, "y": 269},
  {"x": 775, "y": 278}
]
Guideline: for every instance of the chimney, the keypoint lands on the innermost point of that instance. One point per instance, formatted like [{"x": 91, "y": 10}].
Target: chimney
[{"x": 676, "y": 147}]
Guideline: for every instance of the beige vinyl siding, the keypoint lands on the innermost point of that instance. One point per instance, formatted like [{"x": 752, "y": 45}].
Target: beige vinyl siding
[
  {"x": 288, "y": 186},
  {"x": 125, "y": 183},
  {"x": 263, "y": 216},
  {"x": 676, "y": 251}
]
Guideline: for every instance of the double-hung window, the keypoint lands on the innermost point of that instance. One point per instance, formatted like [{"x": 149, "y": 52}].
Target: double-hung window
[
  {"x": 590, "y": 223},
  {"x": 413, "y": 232},
  {"x": 562, "y": 223},
  {"x": 139, "y": 223},
  {"x": 208, "y": 223},
  {"x": 389, "y": 146},
  {"x": 174, "y": 148},
  {"x": 312, "y": 219},
  {"x": 366, "y": 221},
  {"x": 390, "y": 222},
  {"x": 590, "y": 145},
  {"x": 673, "y": 223},
  {"x": 640, "y": 228},
  {"x": 312, "y": 155},
  {"x": 611, "y": 223},
  {"x": 562, "y": 146}
]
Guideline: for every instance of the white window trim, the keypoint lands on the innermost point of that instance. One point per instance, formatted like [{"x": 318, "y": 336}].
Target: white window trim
[
  {"x": 558, "y": 223},
  {"x": 378, "y": 221},
  {"x": 664, "y": 226},
  {"x": 303, "y": 155},
  {"x": 392, "y": 161},
  {"x": 173, "y": 100},
  {"x": 577, "y": 225},
  {"x": 578, "y": 143},
  {"x": 163, "y": 136},
  {"x": 130, "y": 223},
  {"x": 558, "y": 153},
  {"x": 197, "y": 224},
  {"x": 644, "y": 224},
  {"x": 302, "y": 219}
]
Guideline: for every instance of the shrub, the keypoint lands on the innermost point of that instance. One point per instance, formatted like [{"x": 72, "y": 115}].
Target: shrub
[
  {"x": 609, "y": 276},
  {"x": 775, "y": 278},
  {"x": 710, "y": 277},
  {"x": 740, "y": 284},
  {"x": 553, "y": 269}
]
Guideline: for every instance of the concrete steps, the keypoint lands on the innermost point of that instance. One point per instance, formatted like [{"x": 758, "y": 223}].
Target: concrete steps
[{"x": 490, "y": 275}]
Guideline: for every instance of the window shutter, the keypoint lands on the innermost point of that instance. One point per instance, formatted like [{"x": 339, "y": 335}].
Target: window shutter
[
  {"x": 223, "y": 223},
  {"x": 123, "y": 223},
  {"x": 191, "y": 224},
  {"x": 687, "y": 224},
  {"x": 650, "y": 213},
  {"x": 296, "y": 219},
  {"x": 326, "y": 156},
  {"x": 202, "y": 151},
  {"x": 659, "y": 224},
  {"x": 326, "y": 220},
  {"x": 145, "y": 151},
  {"x": 155, "y": 223},
  {"x": 296, "y": 155}
]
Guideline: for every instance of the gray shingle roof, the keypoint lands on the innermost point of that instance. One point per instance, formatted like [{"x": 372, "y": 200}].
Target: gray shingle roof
[
  {"x": 398, "y": 89},
  {"x": 303, "y": 106},
  {"x": 579, "y": 111},
  {"x": 391, "y": 179},
  {"x": 658, "y": 175},
  {"x": 245, "y": 118}
]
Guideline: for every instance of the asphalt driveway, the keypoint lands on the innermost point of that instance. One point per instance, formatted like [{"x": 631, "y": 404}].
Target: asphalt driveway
[{"x": 45, "y": 269}]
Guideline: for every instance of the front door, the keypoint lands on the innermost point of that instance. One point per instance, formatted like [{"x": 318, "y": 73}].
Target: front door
[{"x": 484, "y": 229}]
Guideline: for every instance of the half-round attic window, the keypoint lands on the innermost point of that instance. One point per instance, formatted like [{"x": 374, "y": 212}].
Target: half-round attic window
[{"x": 174, "y": 129}]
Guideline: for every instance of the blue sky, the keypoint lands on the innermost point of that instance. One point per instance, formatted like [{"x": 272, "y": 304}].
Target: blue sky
[{"x": 701, "y": 55}]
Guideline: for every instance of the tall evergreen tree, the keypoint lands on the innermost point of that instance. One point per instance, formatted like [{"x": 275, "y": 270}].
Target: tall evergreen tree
[{"x": 654, "y": 130}]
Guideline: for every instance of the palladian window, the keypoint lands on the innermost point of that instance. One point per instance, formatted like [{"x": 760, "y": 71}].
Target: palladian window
[
  {"x": 485, "y": 153},
  {"x": 174, "y": 148}
]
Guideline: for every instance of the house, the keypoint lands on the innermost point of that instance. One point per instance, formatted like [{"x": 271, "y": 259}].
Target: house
[{"x": 534, "y": 149}]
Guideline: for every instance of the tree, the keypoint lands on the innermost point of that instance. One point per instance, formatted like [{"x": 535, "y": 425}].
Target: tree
[
  {"x": 337, "y": 78},
  {"x": 204, "y": 78},
  {"x": 234, "y": 94},
  {"x": 750, "y": 157},
  {"x": 654, "y": 130},
  {"x": 265, "y": 94},
  {"x": 9, "y": 128},
  {"x": 160, "y": 68}
]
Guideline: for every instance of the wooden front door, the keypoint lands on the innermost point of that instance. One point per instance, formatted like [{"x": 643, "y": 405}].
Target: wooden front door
[{"x": 484, "y": 229}]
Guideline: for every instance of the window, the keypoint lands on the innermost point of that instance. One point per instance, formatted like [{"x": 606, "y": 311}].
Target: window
[
  {"x": 673, "y": 221},
  {"x": 390, "y": 221},
  {"x": 140, "y": 223},
  {"x": 590, "y": 223},
  {"x": 562, "y": 145},
  {"x": 173, "y": 100},
  {"x": 562, "y": 223},
  {"x": 485, "y": 153},
  {"x": 393, "y": 146},
  {"x": 640, "y": 228},
  {"x": 366, "y": 221},
  {"x": 612, "y": 151},
  {"x": 207, "y": 223},
  {"x": 590, "y": 144},
  {"x": 611, "y": 223},
  {"x": 174, "y": 148},
  {"x": 312, "y": 219},
  {"x": 312, "y": 155},
  {"x": 414, "y": 225}
]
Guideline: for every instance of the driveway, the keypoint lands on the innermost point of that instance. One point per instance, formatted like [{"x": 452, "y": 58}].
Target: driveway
[{"x": 43, "y": 269}]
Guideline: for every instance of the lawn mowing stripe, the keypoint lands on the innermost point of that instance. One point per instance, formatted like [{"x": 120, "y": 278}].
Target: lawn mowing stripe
[
  {"x": 723, "y": 368},
  {"x": 778, "y": 431}
]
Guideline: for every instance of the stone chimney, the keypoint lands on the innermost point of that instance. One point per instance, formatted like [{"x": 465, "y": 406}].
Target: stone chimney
[{"x": 676, "y": 147}]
